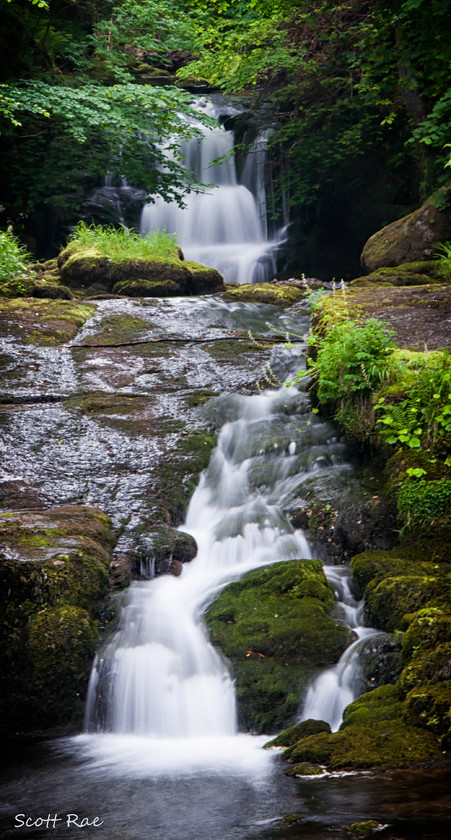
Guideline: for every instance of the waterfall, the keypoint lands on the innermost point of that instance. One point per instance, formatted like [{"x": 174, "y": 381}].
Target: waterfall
[
  {"x": 160, "y": 676},
  {"x": 335, "y": 688},
  {"x": 224, "y": 227}
]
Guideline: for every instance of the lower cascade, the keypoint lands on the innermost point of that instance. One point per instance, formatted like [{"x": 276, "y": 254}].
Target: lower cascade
[
  {"x": 164, "y": 678},
  {"x": 159, "y": 676}
]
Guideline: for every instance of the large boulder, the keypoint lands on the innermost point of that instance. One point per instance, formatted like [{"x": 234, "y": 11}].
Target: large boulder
[
  {"x": 139, "y": 278},
  {"x": 413, "y": 237},
  {"x": 275, "y": 627}
]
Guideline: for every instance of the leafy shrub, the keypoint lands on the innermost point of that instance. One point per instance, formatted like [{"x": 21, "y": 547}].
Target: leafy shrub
[
  {"x": 13, "y": 258},
  {"x": 352, "y": 360},
  {"x": 444, "y": 260},
  {"x": 121, "y": 245},
  {"x": 425, "y": 412}
]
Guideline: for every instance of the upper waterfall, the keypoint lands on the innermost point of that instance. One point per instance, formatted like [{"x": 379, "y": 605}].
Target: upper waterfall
[{"x": 225, "y": 226}]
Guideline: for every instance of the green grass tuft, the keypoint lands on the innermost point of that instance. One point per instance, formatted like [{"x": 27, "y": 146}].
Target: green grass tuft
[{"x": 123, "y": 245}]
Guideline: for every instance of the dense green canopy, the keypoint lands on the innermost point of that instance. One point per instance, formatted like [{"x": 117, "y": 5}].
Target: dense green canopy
[{"x": 362, "y": 79}]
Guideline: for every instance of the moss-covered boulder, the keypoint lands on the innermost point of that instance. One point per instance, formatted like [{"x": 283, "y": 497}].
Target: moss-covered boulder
[
  {"x": 411, "y": 595},
  {"x": 54, "y": 568},
  {"x": 275, "y": 627},
  {"x": 143, "y": 277},
  {"x": 396, "y": 583},
  {"x": 418, "y": 273},
  {"x": 374, "y": 733},
  {"x": 278, "y": 294},
  {"x": 413, "y": 237}
]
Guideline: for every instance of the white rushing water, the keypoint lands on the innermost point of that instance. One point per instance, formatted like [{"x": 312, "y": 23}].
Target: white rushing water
[
  {"x": 335, "y": 688},
  {"x": 224, "y": 227},
  {"x": 165, "y": 678},
  {"x": 160, "y": 679}
]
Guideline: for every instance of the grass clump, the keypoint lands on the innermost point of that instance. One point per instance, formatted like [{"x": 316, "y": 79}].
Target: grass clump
[
  {"x": 122, "y": 245},
  {"x": 444, "y": 260},
  {"x": 13, "y": 259}
]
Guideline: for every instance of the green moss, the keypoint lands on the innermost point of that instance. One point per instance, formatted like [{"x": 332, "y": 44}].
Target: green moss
[
  {"x": 199, "y": 397},
  {"x": 362, "y": 829},
  {"x": 302, "y": 730},
  {"x": 115, "y": 329},
  {"x": 61, "y": 645},
  {"x": 148, "y": 288},
  {"x": 427, "y": 666},
  {"x": 274, "y": 626},
  {"x": 53, "y": 578},
  {"x": 44, "y": 322},
  {"x": 374, "y": 734},
  {"x": 305, "y": 768},
  {"x": 429, "y": 706},
  {"x": 429, "y": 628},
  {"x": 277, "y": 294},
  {"x": 416, "y": 273}
]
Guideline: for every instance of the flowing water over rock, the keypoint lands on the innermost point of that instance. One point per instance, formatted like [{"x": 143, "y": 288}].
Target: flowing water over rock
[
  {"x": 224, "y": 227},
  {"x": 139, "y": 779},
  {"x": 333, "y": 690}
]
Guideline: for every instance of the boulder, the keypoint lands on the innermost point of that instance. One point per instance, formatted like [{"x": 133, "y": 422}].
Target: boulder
[
  {"x": 413, "y": 237},
  {"x": 138, "y": 278},
  {"x": 275, "y": 626},
  {"x": 418, "y": 273}
]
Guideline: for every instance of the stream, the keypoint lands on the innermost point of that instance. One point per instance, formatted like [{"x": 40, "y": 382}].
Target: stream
[
  {"x": 143, "y": 777},
  {"x": 161, "y": 756}
]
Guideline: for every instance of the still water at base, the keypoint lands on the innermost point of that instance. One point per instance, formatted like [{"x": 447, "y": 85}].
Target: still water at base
[{"x": 244, "y": 797}]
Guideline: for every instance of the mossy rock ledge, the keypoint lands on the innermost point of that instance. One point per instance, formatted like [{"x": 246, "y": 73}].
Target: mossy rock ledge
[
  {"x": 374, "y": 733},
  {"x": 137, "y": 278},
  {"x": 275, "y": 628},
  {"x": 54, "y": 567},
  {"x": 277, "y": 294}
]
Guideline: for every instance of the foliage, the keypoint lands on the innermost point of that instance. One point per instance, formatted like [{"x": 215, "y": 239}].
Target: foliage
[
  {"x": 352, "y": 360},
  {"x": 444, "y": 260},
  {"x": 347, "y": 77},
  {"x": 73, "y": 136},
  {"x": 424, "y": 412},
  {"x": 421, "y": 501},
  {"x": 13, "y": 258},
  {"x": 124, "y": 244}
]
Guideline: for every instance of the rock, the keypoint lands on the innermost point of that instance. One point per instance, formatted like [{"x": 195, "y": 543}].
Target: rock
[
  {"x": 163, "y": 550},
  {"x": 53, "y": 579},
  {"x": 140, "y": 278},
  {"x": 280, "y": 294},
  {"x": 149, "y": 288},
  {"x": 114, "y": 206},
  {"x": 302, "y": 730},
  {"x": 418, "y": 273},
  {"x": 45, "y": 322},
  {"x": 373, "y": 734},
  {"x": 275, "y": 627},
  {"x": 36, "y": 288},
  {"x": 413, "y": 237}
]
